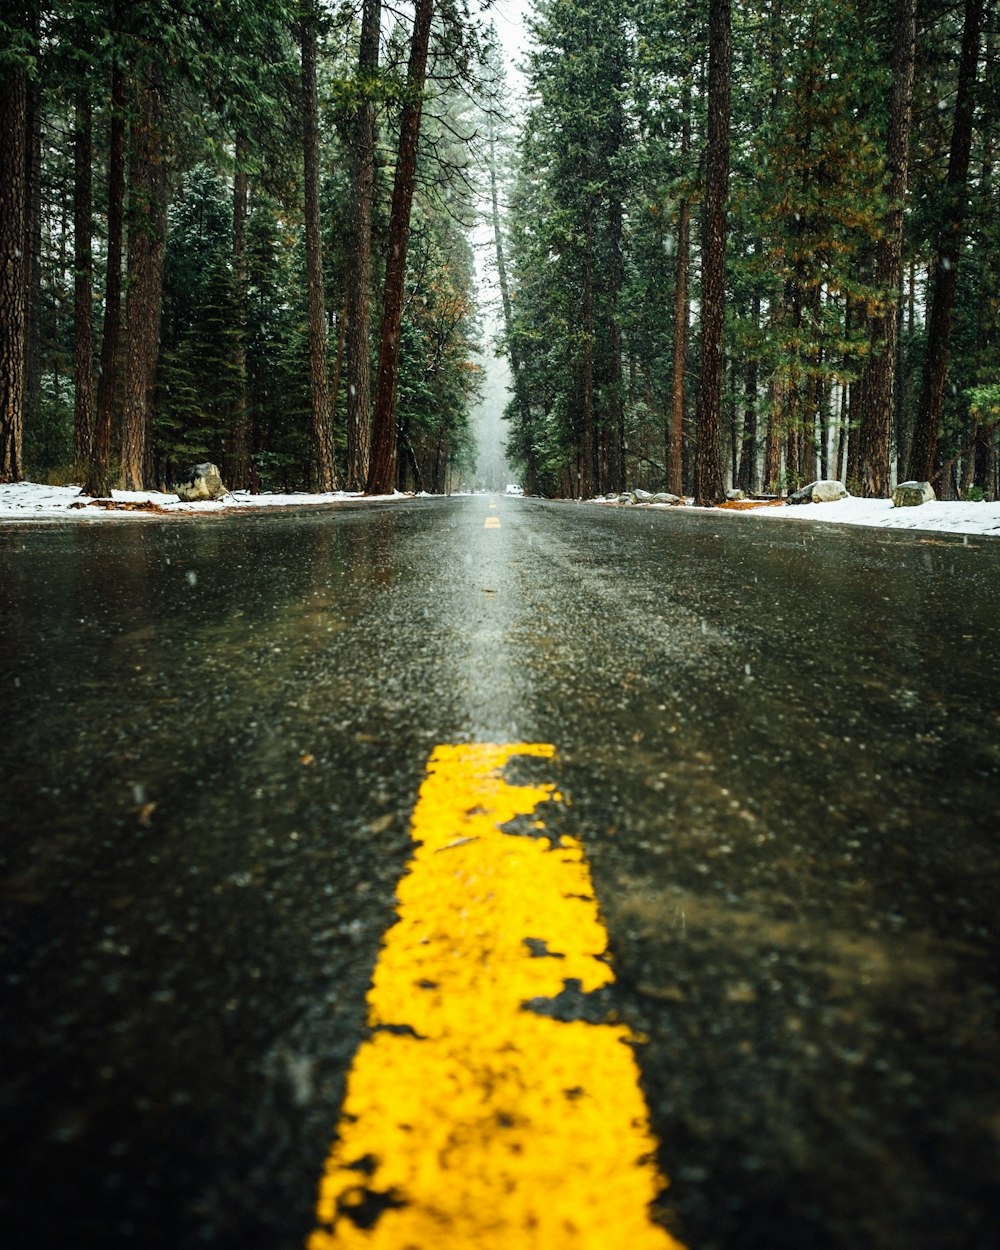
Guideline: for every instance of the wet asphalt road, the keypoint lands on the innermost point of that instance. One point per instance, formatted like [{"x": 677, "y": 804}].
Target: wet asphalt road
[{"x": 781, "y": 743}]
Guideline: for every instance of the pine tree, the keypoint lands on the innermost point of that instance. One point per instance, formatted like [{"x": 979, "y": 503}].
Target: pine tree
[
  {"x": 322, "y": 416},
  {"x": 146, "y": 249},
  {"x": 878, "y": 378},
  {"x": 359, "y": 349},
  {"x": 923, "y": 454},
  {"x": 708, "y": 483},
  {"x": 13, "y": 272},
  {"x": 382, "y": 467}
]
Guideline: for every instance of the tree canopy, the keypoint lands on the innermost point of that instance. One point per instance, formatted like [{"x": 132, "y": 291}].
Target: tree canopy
[
  {"x": 844, "y": 188},
  {"x": 226, "y": 253}
]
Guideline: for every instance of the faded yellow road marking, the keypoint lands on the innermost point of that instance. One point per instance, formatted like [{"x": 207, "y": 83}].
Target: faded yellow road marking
[
  {"x": 492, "y": 523},
  {"x": 493, "y": 507},
  {"x": 471, "y": 1122}
]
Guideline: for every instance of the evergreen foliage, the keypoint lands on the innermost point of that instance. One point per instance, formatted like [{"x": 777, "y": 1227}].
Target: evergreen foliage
[
  {"x": 230, "y": 378},
  {"x": 809, "y": 207},
  {"x": 601, "y": 205}
]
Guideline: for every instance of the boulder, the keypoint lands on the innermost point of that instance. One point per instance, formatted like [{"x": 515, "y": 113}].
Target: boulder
[
  {"x": 828, "y": 491},
  {"x": 642, "y": 496},
  {"x": 912, "y": 494},
  {"x": 664, "y": 496},
  {"x": 735, "y": 496},
  {"x": 824, "y": 491},
  {"x": 202, "y": 481}
]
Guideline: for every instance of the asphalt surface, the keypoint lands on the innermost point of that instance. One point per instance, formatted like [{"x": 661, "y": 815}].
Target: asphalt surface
[{"x": 780, "y": 744}]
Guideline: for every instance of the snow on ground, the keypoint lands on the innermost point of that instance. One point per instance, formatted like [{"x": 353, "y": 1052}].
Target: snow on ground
[
  {"x": 940, "y": 515},
  {"x": 28, "y": 501}
]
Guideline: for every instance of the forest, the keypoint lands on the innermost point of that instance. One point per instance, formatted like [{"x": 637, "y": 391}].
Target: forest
[
  {"x": 734, "y": 247},
  {"x": 200, "y": 197}
]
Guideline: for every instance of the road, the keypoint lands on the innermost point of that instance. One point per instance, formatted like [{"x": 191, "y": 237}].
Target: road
[{"x": 241, "y": 756}]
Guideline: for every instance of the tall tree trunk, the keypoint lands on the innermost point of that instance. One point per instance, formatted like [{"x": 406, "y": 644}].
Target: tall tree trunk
[
  {"x": 845, "y": 420},
  {"x": 146, "y": 247},
  {"x": 616, "y": 378},
  {"x": 513, "y": 347},
  {"x": 98, "y": 481},
  {"x": 675, "y": 437},
  {"x": 319, "y": 384},
  {"x": 588, "y": 448},
  {"x": 854, "y": 315},
  {"x": 746, "y": 477},
  {"x": 382, "y": 469},
  {"x": 13, "y": 274},
  {"x": 923, "y": 453},
  {"x": 880, "y": 373},
  {"x": 814, "y": 361},
  {"x": 825, "y": 397},
  {"x": 338, "y": 361},
  {"x": 735, "y": 430},
  {"x": 359, "y": 277},
  {"x": 33, "y": 249},
  {"x": 793, "y": 475},
  {"x": 83, "y": 286},
  {"x": 772, "y": 442},
  {"x": 708, "y": 484},
  {"x": 237, "y": 469},
  {"x": 615, "y": 406}
]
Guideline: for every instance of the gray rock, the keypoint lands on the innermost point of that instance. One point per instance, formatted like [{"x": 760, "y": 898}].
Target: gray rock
[
  {"x": 664, "y": 496},
  {"x": 735, "y": 496},
  {"x": 201, "y": 482},
  {"x": 825, "y": 491},
  {"x": 625, "y": 498},
  {"x": 828, "y": 491},
  {"x": 912, "y": 494},
  {"x": 642, "y": 496}
]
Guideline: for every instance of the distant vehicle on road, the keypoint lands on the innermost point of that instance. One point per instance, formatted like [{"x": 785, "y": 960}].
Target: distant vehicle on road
[{"x": 514, "y": 489}]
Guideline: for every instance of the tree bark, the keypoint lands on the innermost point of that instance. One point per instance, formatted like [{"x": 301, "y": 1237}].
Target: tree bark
[
  {"x": 772, "y": 443},
  {"x": 616, "y": 379},
  {"x": 746, "y": 478},
  {"x": 33, "y": 248},
  {"x": 13, "y": 274},
  {"x": 675, "y": 438},
  {"x": 878, "y": 380},
  {"x": 359, "y": 278},
  {"x": 923, "y": 452},
  {"x": 143, "y": 301},
  {"x": 237, "y": 469},
  {"x": 382, "y": 468},
  {"x": 83, "y": 285},
  {"x": 615, "y": 403},
  {"x": 708, "y": 484},
  {"x": 319, "y": 383},
  {"x": 513, "y": 348},
  {"x": 98, "y": 483},
  {"x": 588, "y": 447}
]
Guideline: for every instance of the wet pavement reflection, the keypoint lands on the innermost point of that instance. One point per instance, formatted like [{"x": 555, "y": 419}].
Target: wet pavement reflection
[{"x": 780, "y": 745}]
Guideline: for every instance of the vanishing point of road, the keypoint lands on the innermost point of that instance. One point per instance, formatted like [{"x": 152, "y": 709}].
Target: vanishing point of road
[{"x": 497, "y": 873}]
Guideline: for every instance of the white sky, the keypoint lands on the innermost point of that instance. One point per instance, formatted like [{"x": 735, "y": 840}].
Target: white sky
[{"x": 508, "y": 17}]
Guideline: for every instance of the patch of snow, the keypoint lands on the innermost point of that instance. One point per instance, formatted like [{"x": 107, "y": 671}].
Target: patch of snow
[
  {"x": 30, "y": 501},
  {"x": 943, "y": 516}
]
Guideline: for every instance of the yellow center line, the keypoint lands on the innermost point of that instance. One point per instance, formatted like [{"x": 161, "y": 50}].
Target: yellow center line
[
  {"x": 492, "y": 523},
  {"x": 471, "y": 1121}
]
